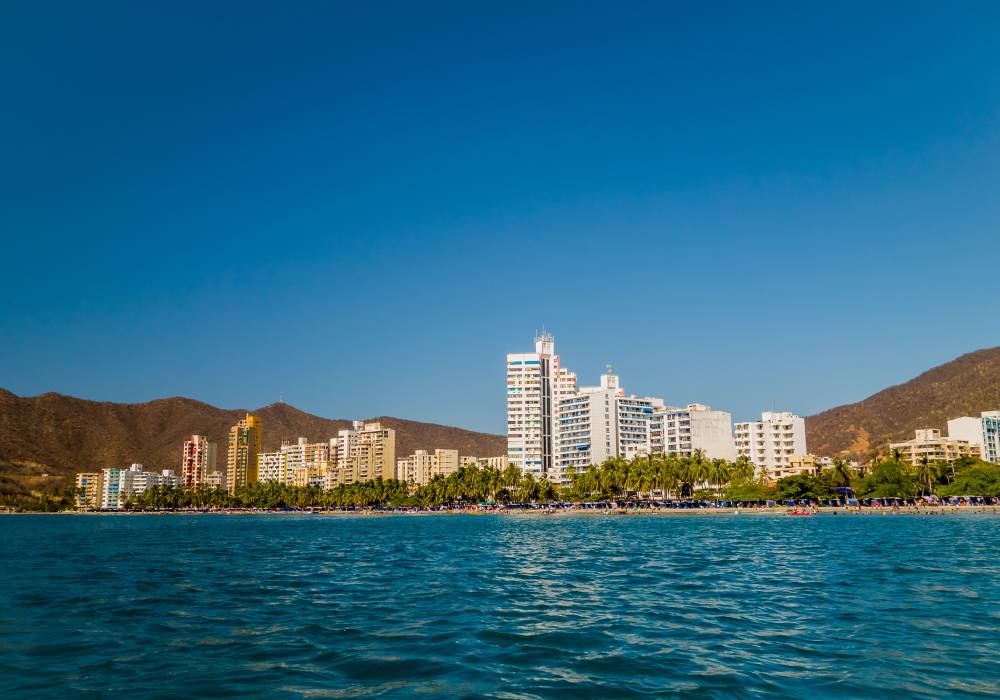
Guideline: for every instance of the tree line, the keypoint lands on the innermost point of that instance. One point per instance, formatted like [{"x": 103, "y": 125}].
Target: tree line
[{"x": 654, "y": 477}]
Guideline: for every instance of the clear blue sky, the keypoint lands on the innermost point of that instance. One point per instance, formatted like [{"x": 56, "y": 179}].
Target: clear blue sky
[{"x": 755, "y": 205}]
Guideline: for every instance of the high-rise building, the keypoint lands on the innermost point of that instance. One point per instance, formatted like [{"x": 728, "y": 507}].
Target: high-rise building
[
  {"x": 272, "y": 466},
  {"x": 111, "y": 496},
  {"x": 771, "y": 441},
  {"x": 600, "y": 422},
  {"x": 244, "y": 450},
  {"x": 87, "y": 489},
  {"x": 371, "y": 452},
  {"x": 536, "y": 384},
  {"x": 983, "y": 432},
  {"x": 117, "y": 485},
  {"x": 681, "y": 431},
  {"x": 197, "y": 460},
  {"x": 306, "y": 461}
]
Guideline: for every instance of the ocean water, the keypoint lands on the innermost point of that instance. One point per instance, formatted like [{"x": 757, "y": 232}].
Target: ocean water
[{"x": 507, "y": 607}]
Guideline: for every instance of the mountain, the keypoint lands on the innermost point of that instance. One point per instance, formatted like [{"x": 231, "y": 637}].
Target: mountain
[
  {"x": 963, "y": 387},
  {"x": 59, "y": 435}
]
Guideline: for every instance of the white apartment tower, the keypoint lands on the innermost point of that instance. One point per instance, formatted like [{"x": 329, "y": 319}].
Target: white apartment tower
[
  {"x": 983, "y": 432},
  {"x": 600, "y": 422},
  {"x": 536, "y": 383},
  {"x": 696, "y": 427},
  {"x": 771, "y": 441}
]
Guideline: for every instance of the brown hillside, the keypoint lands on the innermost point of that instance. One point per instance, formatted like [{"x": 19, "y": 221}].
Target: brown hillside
[
  {"x": 60, "y": 435},
  {"x": 963, "y": 387}
]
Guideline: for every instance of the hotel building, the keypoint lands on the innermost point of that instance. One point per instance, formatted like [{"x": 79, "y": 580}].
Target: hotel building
[
  {"x": 929, "y": 443},
  {"x": 244, "y": 450},
  {"x": 117, "y": 485},
  {"x": 88, "y": 486},
  {"x": 600, "y": 422},
  {"x": 681, "y": 431},
  {"x": 197, "y": 460},
  {"x": 306, "y": 461},
  {"x": 771, "y": 441},
  {"x": 983, "y": 432},
  {"x": 110, "y": 496},
  {"x": 536, "y": 384},
  {"x": 366, "y": 452},
  {"x": 272, "y": 466},
  {"x": 422, "y": 466}
]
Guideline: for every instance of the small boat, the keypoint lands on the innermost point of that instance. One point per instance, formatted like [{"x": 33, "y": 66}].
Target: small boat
[{"x": 800, "y": 512}]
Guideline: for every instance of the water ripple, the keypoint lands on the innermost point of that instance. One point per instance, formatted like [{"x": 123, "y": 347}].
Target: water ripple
[{"x": 502, "y": 607}]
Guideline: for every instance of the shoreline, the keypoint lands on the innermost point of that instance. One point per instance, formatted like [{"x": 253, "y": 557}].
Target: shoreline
[{"x": 786, "y": 511}]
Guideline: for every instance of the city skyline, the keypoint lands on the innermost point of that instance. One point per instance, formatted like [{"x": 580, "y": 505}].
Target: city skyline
[{"x": 759, "y": 210}]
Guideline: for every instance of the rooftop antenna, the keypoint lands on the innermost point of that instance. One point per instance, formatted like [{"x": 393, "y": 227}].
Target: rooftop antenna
[{"x": 281, "y": 397}]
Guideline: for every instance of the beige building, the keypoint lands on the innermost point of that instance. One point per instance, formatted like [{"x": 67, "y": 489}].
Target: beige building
[
  {"x": 216, "y": 480},
  {"x": 244, "y": 452},
  {"x": 930, "y": 444},
  {"x": 798, "y": 464},
  {"x": 371, "y": 452},
  {"x": 88, "y": 487},
  {"x": 306, "y": 462},
  {"x": 422, "y": 466}
]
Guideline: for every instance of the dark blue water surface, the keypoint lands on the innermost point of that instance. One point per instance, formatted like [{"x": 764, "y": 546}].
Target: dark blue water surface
[{"x": 514, "y": 607}]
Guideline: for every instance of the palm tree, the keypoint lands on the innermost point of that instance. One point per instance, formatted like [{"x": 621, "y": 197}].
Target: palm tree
[
  {"x": 926, "y": 475},
  {"x": 743, "y": 469},
  {"x": 718, "y": 473},
  {"x": 841, "y": 474}
]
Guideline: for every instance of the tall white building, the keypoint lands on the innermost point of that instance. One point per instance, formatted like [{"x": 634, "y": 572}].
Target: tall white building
[
  {"x": 771, "y": 441},
  {"x": 983, "y": 432},
  {"x": 597, "y": 423},
  {"x": 536, "y": 383},
  {"x": 681, "y": 431}
]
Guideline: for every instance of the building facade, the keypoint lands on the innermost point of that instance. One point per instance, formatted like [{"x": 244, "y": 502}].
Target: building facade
[
  {"x": 216, "y": 479},
  {"x": 371, "y": 452},
  {"x": 772, "y": 441},
  {"x": 422, "y": 466},
  {"x": 536, "y": 383},
  {"x": 931, "y": 445},
  {"x": 600, "y": 422},
  {"x": 117, "y": 485},
  {"x": 681, "y": 431},
  {"x": 197, "y": 460},
  {"x": 88, "y": 486},
  {"x": 243, "y": 454},
  {"x": 272, "y": 467},
  {"x": 983, "y": 432}
]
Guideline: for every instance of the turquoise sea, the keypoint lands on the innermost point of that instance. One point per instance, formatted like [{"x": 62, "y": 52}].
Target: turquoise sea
[{"x": 508, "y": 607}]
